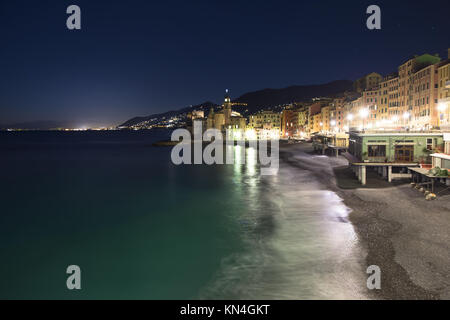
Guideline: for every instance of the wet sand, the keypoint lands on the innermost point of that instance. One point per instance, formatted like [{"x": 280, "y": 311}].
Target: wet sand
[{"x": 403, "y": 234}]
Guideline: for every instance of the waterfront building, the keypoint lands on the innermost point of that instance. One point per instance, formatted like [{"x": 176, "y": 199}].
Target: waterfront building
[
  {"x": 195, "y": 115},
  {"x": 442, "y": 159},
  {"x": 387, "y": 101},
  {"x": 265, "y": 124},
  {"x": 443, "y": 82},
  {"x": 289, "y": 122},
  {"x": 302, "y": 120},
  {"x": 317, "y": 122},
  {"x": 315, "y": 117},
  {"x": 219, "y": 121},
  {"x": 370, "y": 101},
  {"x": 294, "y": 121},
  {"x": 356, "y": 114},
  {"x": 336, "y": 142},
  {"x": 325, "y": 118},
  {"x": 394, "y": 155},
  {"x": 265, "y": 118},
  {"x": 367, "y": 82},
  {"x": 392, "y": 147},
  {"x": 337, "y": 115},
  {"x": 424, "y": 113},
  {"x": 407, "y": 73},
  {"x": 225, "y": 118}
]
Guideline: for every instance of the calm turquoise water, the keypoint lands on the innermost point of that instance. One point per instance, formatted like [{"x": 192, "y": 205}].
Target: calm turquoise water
[{"x": 140, "y": 227}]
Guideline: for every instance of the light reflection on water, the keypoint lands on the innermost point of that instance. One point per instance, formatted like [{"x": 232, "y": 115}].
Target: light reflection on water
[
  {"x": 298, "y": 241},
  {"x": 143, "y": 228}
]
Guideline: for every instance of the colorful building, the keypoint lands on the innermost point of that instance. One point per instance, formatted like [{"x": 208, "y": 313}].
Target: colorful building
[
  {"x": 443, "y": 82},
  {"x": 408, "y": 83},
  {"x": 392, "y": 147},
  {"x": 367, "y": 82}
]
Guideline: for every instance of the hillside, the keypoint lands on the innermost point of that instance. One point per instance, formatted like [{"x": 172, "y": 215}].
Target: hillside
[
  {"x": 273, "y": 97},
  {"x": 258, "y": 100},
  {"x": 154, "y": 118}
]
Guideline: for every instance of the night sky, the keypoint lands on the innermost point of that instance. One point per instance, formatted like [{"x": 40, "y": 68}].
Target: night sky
[{"x": 141, "y": 57}]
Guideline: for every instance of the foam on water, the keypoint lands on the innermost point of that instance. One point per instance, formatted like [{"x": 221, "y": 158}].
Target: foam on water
[
  {"x": 298, "y": 242},
  {"x": 142, "y": 228}
]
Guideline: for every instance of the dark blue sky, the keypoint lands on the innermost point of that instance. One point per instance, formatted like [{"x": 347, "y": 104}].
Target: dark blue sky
[{"x": 139, "y": 57}]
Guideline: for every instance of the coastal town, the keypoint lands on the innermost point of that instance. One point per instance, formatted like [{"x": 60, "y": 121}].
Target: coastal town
[
  {"x": 397, "y": 125},
  {"x": 416, "y": 98},
  {"x": 213, "y": 159}
]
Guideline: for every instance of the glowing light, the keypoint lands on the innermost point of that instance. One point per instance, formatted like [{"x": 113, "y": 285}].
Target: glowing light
[
  {"x": 274, "y": 134},
  {"x": 406, "y": 115},
  {"x": 251, "y": 161},
  {"x": 349, "y": 117},
  {"x": 333, "y": 123},
  {"x": 442, "y": 106},
  {"x": 394, "y": 118},
  {"x": 363, "y": 113},
  {"x": 237, "y": 134},
  {"x": 250, "y": 134}
]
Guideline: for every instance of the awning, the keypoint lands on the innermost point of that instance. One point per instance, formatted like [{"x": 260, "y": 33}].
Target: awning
[{"x": 441, "y": 156}]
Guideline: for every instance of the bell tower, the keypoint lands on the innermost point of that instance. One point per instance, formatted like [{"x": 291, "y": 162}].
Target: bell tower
[{"x": 227, "y": 108}]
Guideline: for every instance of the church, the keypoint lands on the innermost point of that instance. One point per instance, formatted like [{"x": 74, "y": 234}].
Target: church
[{"x": 225, "y": 118}]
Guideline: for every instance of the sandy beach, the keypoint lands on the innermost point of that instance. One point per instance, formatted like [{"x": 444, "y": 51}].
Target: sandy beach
[{"x": 403, "y": 234}]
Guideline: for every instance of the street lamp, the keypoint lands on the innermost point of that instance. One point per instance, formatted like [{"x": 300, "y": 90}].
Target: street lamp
[
  {"x": 441, "y": 108},
  {"x": 363, "y": 113},
  {"x": 405, "y": 116},
  {"x": 349, "y": 119},
  {"x": 333, "y": 126}
]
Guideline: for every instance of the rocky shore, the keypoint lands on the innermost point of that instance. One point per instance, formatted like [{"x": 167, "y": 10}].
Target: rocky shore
[{"x": 405, "y": 235}]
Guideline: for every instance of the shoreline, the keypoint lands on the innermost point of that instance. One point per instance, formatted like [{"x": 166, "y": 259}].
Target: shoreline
[{"x": 391, "y": 240}]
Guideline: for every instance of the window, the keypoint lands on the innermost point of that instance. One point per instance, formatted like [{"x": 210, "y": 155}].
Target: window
[
  {"x": 429, "y": 144},
  {"x": 376, "y": 151}
]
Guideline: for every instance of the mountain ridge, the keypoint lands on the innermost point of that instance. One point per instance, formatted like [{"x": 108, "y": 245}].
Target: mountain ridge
[{"x": 259, "y": 99}]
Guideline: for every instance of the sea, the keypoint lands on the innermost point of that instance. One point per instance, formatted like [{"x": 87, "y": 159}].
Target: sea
[{"x": 140, "y": 227}]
